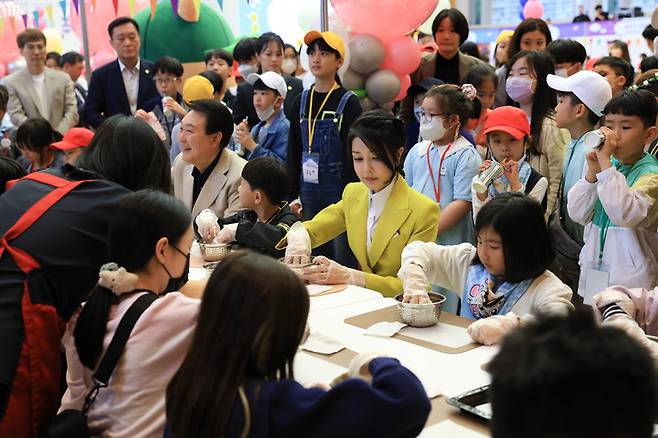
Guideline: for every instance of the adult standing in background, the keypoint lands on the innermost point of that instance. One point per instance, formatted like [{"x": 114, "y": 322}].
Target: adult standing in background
[
  {"x": 122, "y": 86},
  {"x": 582, "y": 16},
  {"x": 38, "y": 91},
  {"x": 450, "y": 30},
  {"x": 72, "y": 63}
]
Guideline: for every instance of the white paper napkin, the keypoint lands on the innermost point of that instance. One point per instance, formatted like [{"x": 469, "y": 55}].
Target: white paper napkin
[
  {"x": 384, "y": 329},
  {"x": 323, "y": 344}
]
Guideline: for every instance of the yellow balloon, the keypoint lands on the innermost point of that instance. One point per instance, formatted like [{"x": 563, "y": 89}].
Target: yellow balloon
[
  {"x": 53, "y": 40},
  {"x": 426, "y": 27}
]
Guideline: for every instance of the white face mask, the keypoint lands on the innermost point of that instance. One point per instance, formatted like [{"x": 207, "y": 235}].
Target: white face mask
[
  {"x": 246, "y": 69},
  {"x": 562, "y": 72},
  {"x": 519, "y": 89},
  {"x": 432, "y": 130},
  {"x": 266, "y": 113},
  {"x": 289, "y": 66}
]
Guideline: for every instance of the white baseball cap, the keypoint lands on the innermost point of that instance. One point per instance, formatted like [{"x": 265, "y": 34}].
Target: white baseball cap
[
  {"x": 591, "y": 88},
  {"x": 272, "y": 80}
]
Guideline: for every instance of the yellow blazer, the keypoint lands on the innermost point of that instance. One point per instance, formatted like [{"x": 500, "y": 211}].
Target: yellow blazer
[{"x": 407, "y": 216}]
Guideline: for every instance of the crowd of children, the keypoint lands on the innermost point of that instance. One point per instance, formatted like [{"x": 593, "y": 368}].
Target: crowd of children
[{"x": 522, "y": 194}]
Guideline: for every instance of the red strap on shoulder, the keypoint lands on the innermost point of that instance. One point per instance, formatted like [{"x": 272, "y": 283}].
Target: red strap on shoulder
[
  {"x": 42, "y": 177},
  {"x": 24, "y": 261}
]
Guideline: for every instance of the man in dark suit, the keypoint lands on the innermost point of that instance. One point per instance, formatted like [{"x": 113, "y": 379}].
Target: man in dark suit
[
  {"x": 124, "y": 85},
  {"x": 72, "y": 63}
]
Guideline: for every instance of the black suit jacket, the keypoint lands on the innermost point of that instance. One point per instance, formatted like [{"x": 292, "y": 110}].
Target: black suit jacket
[
  {"x": 107, "y": 95},
  {"x": 244, "y": 101}
]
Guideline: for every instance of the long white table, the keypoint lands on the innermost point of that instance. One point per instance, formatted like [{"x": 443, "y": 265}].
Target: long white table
[{"x": 443, "y": 375}]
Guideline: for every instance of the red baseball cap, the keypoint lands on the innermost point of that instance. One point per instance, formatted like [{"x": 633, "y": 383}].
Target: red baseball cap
[
  {"x": 74, "y": 138},
  {"x": 509, "y": 119}
]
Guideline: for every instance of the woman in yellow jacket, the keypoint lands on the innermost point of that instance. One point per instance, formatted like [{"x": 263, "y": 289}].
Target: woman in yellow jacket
[{"x": 381, "y": 214}]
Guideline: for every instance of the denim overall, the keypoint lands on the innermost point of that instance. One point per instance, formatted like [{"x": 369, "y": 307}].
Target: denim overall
[{"x": 315, "y": 197}]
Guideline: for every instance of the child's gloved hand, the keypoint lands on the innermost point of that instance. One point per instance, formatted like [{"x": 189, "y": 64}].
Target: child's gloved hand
[
  {"x": 226, "y": 235},
  {"x": 153, "y": 122},
  {"x": 359, "y": 365},
  {"x": 414, "y": 284},
  {"x": 298, "y": 250},
  {"x": 613, "y": 296},
  {"x": 489, "y": 331},
  {"x": 207, "y": 226},
  {"x": 326, "y": 271}
]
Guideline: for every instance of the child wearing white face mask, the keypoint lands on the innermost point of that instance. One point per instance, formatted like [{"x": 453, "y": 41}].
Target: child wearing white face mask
[
  {"x": 526, "y": 85},
  {"x": 443, "y": 165},
  {"x": 269, "y": 138},
  {"x": 507, "y": 134}
]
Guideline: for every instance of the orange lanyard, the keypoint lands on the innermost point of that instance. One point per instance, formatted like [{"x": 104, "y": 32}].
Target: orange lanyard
[
  {"x": 312, "y": 121},
  {"x": 437, "y": 186}
]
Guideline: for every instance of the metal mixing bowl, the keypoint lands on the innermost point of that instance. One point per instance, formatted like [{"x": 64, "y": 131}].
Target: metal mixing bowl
[
  {"x": 214, "y": 252},
  {"x": 420, "y": 315}
]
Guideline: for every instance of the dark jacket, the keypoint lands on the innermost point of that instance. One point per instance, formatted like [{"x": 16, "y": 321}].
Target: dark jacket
[
  {"x": 260, "y": 236},
  {"x": 107, "y": 95}
]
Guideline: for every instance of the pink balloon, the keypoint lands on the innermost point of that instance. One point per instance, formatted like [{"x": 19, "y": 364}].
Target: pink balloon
[
  {"x": 385, "y": 19},
  {"x": 402, "y": 55},
  {"x": 9, "y": 50},
  {"x": 102, "y": 58},
  {"x": 98, "y": 19},
  {"x": 3, "y": 69},
  {"x": 405, "y": 83},
  {"x": 533, "y": 9}
]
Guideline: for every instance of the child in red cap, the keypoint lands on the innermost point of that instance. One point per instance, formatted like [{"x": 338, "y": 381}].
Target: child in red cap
[
  {"x": 508, "y": 134},
  {"x": 73, "y": 143}
]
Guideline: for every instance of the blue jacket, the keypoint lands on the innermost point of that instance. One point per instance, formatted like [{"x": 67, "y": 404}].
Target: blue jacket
[
  {"x": 107, "y": 95},
  {"x": 395, "y": 405},
  {"x": 275, "y": 144}
]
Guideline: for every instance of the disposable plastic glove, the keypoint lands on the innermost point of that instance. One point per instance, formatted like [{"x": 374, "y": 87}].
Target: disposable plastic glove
[
  {"x": 298, "y": 250},
  {"x": 326, "y": 271},
  {"x": 226, "y": 235},
  {"x": 613, "y": 296},
  {"x": 153, "y": 122},
  {"x": 207, "y": 226},
  {"x": 359, "y": 365},
  {"x": 489, "y": 331},
  {"x": 414, "y": 284}
]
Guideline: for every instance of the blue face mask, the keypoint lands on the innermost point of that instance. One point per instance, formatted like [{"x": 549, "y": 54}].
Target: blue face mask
[{"x": 418, "y": 110}]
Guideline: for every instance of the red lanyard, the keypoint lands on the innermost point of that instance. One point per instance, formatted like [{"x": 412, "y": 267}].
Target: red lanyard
[{"x": 437, "y": 186}]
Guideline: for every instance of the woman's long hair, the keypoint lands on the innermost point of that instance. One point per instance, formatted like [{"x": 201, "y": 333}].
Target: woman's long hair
[
  {"x": 545, "y": 98},
  {"x": 252, "y": 320}
]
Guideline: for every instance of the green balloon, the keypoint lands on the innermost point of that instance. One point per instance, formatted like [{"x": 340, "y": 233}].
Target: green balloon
[{"x": 170, "y": 35}]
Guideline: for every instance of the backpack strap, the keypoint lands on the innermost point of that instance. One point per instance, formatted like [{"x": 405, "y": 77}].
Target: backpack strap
[{"x": 117, "y": 344}]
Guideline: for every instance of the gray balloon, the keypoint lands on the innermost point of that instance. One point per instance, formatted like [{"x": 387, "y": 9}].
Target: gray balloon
[
  {"x": 352, "y": 80},
  {"x": 367, "y": 53},
  {"x": 382, "y": 86}
]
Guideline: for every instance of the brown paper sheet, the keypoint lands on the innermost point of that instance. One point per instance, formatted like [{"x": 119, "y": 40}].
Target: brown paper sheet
[{"x": 365, "y": 320}]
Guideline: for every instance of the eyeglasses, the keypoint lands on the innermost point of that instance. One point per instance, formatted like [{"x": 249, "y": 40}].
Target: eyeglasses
[
  {"x": 429, "y": 116},
  {"x": 164, "y": 79}
]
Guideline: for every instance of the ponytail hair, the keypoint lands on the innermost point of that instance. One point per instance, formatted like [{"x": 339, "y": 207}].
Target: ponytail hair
[
  {"x": 384, "y": 135},
  {"x": 139, "y": 222}
]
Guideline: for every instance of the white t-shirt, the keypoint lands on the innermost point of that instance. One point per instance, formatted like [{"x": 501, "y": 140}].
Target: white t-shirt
[{"x": 39, "y": 86}]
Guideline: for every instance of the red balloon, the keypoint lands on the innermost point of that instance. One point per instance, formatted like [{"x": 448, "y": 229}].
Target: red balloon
[
  {"x": 405, "y": 83},
  {"x": 385, "y": 19},
  {"x": 402, "y": 55}
]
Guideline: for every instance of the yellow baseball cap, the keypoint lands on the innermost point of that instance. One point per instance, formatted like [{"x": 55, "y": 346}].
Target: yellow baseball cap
[
  {"x": 504, "y": 35},
  {"x": 197, "y": 87},
  {"x": 331, "y": 38}
]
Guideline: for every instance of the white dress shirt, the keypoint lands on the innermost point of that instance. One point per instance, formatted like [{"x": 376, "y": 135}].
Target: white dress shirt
[
  {"x": 131, "y": 83},
  {"x": 376, "y": 204}
]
